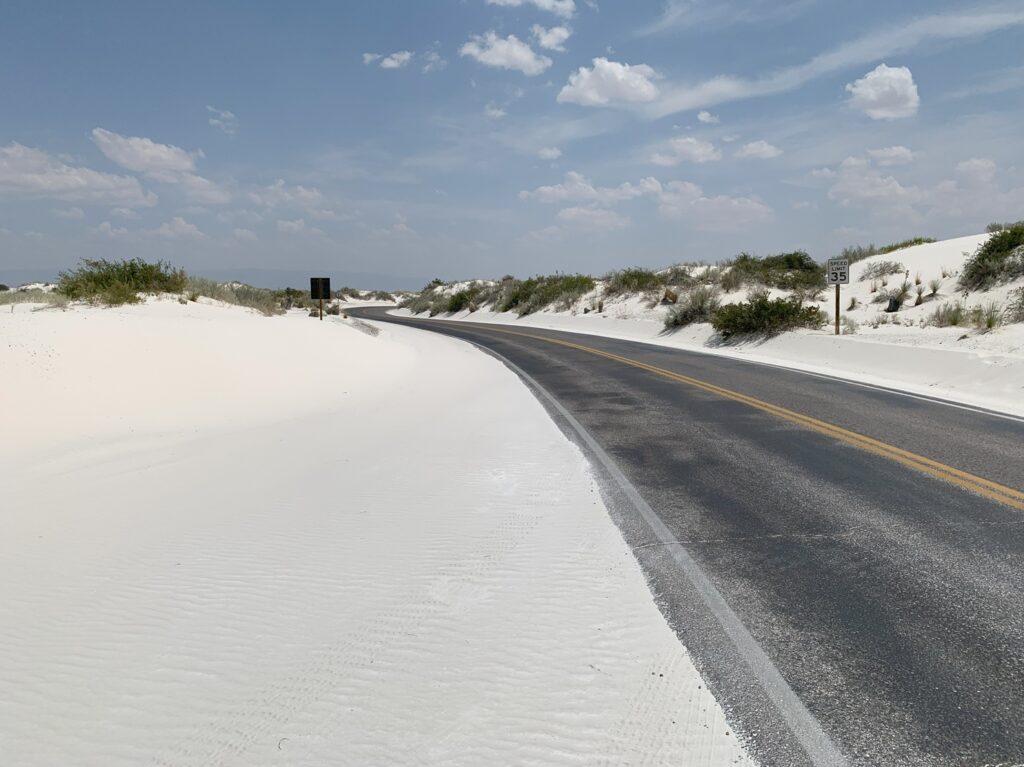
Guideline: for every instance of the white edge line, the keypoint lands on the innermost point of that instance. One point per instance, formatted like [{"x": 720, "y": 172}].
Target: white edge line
[{"x": 808, "y": 732}]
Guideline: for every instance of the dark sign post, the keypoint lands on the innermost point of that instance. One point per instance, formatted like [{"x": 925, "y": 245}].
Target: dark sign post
[{"x": 320, "y": 288}]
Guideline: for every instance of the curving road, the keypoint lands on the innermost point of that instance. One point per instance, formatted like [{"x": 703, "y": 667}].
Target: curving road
[{"x": 845, "y": 563}]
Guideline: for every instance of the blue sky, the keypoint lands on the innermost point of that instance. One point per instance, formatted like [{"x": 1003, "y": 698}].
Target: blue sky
[{"x": 393, "y": 141}]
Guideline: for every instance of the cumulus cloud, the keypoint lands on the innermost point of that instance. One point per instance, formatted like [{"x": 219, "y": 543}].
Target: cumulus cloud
[
  {"x": 977, "y": 171},
  {"x": 759, "y": 150},
  {"x": 33, "y": 174},
  {"x": 396, "y": 60},
  {"x": 505, "y": 53},
  {"x": 177, "y": 229},
  {"x": 857, "y": 184},
  {"x": 279, "y": 194},
  {"x": 433, "y": 62},
  {"x": 297, "y": 226},
  {"x": 563, "y": 8},
  {"x": 610, "y": 82},
  {"x": 885, "y": 93},
  {"x": 577, "y": 188},
  {"x": 892, "y": 155},
  {"x": 370, "y": 58},
  {"x": 686, "y": 149},
  {"x": 552, "y": 39},
  {"x": 592, "y": 219},
  {"x": 166, "y": 163},
  {"x": 245, "y": 235},
  {"x": 73, "y": 214},
  {"x": 494, "y": 111},
  {"x": 223, "y": 120},
  {"x": 686, "y": 201},
  {"x": 549, "y": 153},
  {"x": 707, "y": 118}
]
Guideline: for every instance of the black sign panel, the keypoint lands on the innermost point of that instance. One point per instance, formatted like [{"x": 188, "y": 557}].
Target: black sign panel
[{"x": 320, "y": 287}]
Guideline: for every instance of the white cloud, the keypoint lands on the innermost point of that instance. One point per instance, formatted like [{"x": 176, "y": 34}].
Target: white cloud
[
  {"x": 106, "y": 229},
  {"x": 686, "y": 14},
  {"x": 577, "y": 188},
  {"x": 885, "y": 93},
  {"x": 686, "y": 201},
  {"x": 370, "y": 58},
  {"x": 592, "y": 219},
  {"x": 33, "y": 174},
  {"x": 223, "y": 119},
  {"x": 892, "y": 155},
  {"x": 858, "y": 185},
  {"x": 166, "y": 163},
  {"x": 291, "y": 226},
  {"x": 494, "y": 111},
  {"x": 977, "y": 171},
  {"x": 433, "y": 62},
  {"x": 279, "y": 194},
  {"x": 687, "y": 149},
  {"x": 245, "y": 235},
  {"x": 563, "y": 8},
  {"x": 73, "y": 214},
  {"x": 396, "y": 60},
  {"x": 177, "y": 229},
  {"x": 758, "y": 150},
  {"x": 549, "y": 153},
  {"x": 707, "y": 118},
  {"x": 610, "y": 82},
  {"x": 124, "y": 213},
  {"x": 552, "y": 39},
  {"x": 143, "y": 155},
  {"x": 878, "y": 44},
  {"x": 505, "y": 53}
]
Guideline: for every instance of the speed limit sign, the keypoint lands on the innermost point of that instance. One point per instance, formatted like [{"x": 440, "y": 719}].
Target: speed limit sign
[{"x": 839, "y": 271}]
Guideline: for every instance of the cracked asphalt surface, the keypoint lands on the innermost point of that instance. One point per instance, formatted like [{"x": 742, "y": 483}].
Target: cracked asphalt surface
[{"x": 891, "y": 602}]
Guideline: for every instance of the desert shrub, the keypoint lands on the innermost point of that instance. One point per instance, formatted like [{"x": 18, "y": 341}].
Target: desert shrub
[
  {"x": 379, "y": 295},
  {"x": 786, "y": 271},
  {"x": 267, "y": 302},
  {"x": 920, "y": 295},
  {"x": 999, "y": 259},
  {"x": 881, "y": 269},
  {"x": 532, "y": 295},
  {"x": 730, "y": 280},
  {"x": 849, "y": 326},
  {"x": 696, "y": 306},
  {"x": 987, "y": 316},
  {"x": 933, "y": 287},
  {"x": 1015, "y": 306},
  {"x": 680, "y": 276},
  {"x": 119, "y": 282},
  {"x": 854, "y": 303},
  {"x": 764, "y": 316},
  {"x": 995, "y": 227},
  {"x": 635, "y": 280},
  {"x": 948, "y": 315},
  {"x": 333, "y": 309},
  {"x": 3, "y": 288},
  {"x": 904, "y": 244},
  {"x": 461, "y": 300},
  {"x": 856, "y": 253},
  {"x": 33, "y": 296}
]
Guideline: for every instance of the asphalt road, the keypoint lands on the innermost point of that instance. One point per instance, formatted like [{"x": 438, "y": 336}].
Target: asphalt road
[{"x": 886, "y": 590}]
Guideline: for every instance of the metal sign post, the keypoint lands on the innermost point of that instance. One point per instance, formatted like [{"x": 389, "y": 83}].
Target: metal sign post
[
  {"x": 838, "y": 274},
  {"x": 320, "y": 288}
]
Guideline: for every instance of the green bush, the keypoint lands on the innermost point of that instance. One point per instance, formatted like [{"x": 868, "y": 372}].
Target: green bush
[
  {"x": 634, "y": 280},
  {"x": 950, "y": 314},
  {"x": 680, "y": 276},
  {"x": 532, "y": 295},
  {"x": 3, "y": 288},
  {"x": 786, "y": 271},
  {"x": 268, "y": 302},
  {"x": 764, "y": 316},
  {"x": 1015, "y": 307},
  {"x": 999, "y": 259},
  {"x": 120, "y": 282},
  {"x": 856, "y": 253},
  {"x": 905, "y": 244},
  {"x": 987, "y": 317},
  {"x": 699, "y": 305},
  {"x": 461, "y": 300},
  {"x": 881, "y": 269}
]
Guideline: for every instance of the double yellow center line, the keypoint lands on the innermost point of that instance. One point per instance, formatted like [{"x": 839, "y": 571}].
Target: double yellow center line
[{"x": 984, "y": 487}]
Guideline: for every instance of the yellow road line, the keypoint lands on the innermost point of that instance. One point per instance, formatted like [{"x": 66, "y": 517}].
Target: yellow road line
[{"x": 984, "y": 487}]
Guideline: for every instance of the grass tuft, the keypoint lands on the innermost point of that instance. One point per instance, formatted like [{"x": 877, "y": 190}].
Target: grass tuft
[{"x": 119, "y": 282}]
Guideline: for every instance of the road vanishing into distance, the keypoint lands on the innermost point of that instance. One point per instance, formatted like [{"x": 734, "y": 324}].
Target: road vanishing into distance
[{"x": 844, "y": 563}]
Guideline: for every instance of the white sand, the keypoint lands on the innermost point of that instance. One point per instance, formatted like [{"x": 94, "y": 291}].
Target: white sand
[
  {"x": 956, "y": 363},
  {"x": 237, "y": 540}
]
